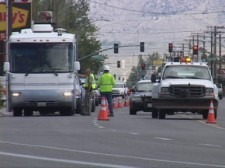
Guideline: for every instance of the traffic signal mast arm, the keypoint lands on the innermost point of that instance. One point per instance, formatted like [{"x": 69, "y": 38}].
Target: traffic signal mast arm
[{"x": 106, "y": 49}]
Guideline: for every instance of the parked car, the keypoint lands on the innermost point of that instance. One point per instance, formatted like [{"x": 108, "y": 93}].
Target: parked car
[
  {"x": 95, "y": 98},
  {"x": 141, "y": 97},
  {"x": 120, "y": 90},
  {"x": 220, "y": 90}
]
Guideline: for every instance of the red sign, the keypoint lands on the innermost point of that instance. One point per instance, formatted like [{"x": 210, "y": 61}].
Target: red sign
[
  {"x": 23, "y": 1},
  {"x": 21, "y": 17}
]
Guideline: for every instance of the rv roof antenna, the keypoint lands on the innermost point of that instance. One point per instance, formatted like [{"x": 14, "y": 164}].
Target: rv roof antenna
[{"x": 60, "y": 31}]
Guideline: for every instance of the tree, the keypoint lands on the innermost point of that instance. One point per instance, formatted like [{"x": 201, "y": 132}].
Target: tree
[
  {"x": 133, "y": 77},
  {"x": 73, "y": 16},
  {"x": 153, "y": 57}
]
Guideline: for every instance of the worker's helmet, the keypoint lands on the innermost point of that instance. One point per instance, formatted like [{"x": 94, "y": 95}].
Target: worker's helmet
[{"x": 106, "y": 68}]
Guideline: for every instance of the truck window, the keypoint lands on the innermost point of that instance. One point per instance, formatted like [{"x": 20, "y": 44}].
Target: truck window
[{"x": 186, "y": 71}]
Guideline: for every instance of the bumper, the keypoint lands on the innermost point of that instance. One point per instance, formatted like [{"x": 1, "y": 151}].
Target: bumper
[
  {"x": 42, "y": 99},
  {"x": 144, "y": 106},
  {"x": 184, "y": 104}
]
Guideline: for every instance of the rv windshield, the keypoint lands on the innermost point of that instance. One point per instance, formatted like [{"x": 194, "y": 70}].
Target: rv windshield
[{"x": 41, "y": 57}]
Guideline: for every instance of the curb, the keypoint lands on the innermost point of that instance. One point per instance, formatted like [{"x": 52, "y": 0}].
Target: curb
[{"x": 3, "y": 112}]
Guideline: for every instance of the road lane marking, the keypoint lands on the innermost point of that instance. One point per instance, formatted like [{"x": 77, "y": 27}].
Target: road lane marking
[
  {"x": 115, "y": 155},
  {"x": 212, "y": 125},
  {"x": 63, "y": 160},
  {"x": 134, "y": 133},
  {"x": 213, "y": 145},
  {"x": 162, "y": 138}
]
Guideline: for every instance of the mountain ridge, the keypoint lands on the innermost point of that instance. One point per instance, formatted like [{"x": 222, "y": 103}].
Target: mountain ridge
[{"x": 140, "y": 21}]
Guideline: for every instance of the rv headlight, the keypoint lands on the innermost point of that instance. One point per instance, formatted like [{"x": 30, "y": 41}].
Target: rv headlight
[
  {"x": 67, "y": 94},
  {"x": 16, "y": 94}
]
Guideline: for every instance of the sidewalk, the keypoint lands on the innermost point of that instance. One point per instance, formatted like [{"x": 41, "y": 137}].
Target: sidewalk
[{"x": 3, "y": 111}]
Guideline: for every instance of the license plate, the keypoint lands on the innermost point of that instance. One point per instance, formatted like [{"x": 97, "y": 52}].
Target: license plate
[
  {"x": 41, "y": 104},
  {"x": 149, "y": 105}
]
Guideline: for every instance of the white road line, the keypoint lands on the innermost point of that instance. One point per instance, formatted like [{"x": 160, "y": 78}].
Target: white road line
[
  {"x": 134, "y": 133},
  {"x": 118, "y": 156},
  {"x": 100, "y": 126},
  {"x": 212, "y": 125},
  {"x": 63, "y": 160},
  {"x": 162, "y": 138},
  {"x": 211, "y": 145}
]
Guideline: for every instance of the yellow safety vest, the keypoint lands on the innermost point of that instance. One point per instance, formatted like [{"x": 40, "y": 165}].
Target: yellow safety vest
[
  {"x": 106, "y": 82},
  {"x": 90, "y": 80}
]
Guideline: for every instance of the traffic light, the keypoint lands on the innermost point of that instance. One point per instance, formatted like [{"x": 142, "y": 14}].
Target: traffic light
[
  {"x": 142, "y": 47},
  {"x": 118, "y": 64},
  {"x": 176, "y": 59},
  {"x": 114, "y": 76},
  {"x": 142, "y": 66},
  {"x": 170, "y": 47},
  {"x": 195, "y": 49},
  {"x": 116, "y": 48}
]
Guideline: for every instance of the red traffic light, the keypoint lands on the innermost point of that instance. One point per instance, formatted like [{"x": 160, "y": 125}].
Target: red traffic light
[
  {"x": 170, "y": 47},
  {"x": 143, "y": 66},
  {"x": 195, "y": 49}
]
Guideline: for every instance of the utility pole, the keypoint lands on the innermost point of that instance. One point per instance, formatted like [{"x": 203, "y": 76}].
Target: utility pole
[
  {"x": 197, "y": 45},
  {"x": 8, "y": 33},
  {"x": 220, "y": 55},
  {"x": 214, "y": 53}
]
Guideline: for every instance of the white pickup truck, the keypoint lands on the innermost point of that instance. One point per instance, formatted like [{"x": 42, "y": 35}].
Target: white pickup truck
[
  {"x": 184, "y": 87},
  {"x": 120, "y": 90}
]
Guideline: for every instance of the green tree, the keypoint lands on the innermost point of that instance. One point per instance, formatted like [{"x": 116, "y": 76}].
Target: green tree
[
  {"x": 133, "y": 77},
  {"x": 73, "y": 16}
]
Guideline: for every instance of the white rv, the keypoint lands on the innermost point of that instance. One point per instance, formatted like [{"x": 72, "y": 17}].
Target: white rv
[{"x": 42, "y": 71}]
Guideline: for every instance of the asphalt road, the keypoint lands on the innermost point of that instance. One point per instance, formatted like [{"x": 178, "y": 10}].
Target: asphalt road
[{"x": 182, "y": 141}]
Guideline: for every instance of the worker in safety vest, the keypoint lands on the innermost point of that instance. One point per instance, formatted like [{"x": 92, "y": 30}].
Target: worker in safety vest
[
  {"x": 89, "y": 86},
  {"x": 106, "y": 82}
]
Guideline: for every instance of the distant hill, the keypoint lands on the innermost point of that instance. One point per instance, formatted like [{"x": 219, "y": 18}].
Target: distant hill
[{"x": 155, "y": 22}]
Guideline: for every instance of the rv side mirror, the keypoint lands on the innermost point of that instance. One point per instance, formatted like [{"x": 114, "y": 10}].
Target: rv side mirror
[
  {"x": 6, "y": 67},
  {"x": 77, "y": 65}
]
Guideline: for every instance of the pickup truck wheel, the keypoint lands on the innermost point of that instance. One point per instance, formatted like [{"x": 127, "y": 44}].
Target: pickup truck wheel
[
  {"x": 28, "y": 112},
  {"x": 215, "y": 113},
  {"x": 154, "y": 113},
  {"x": 162, "y": 114},
  {"x": 133, "y": 111},
  {"x": 205, "y": 114},
  {"x": 17, "y": 112},
  {"x": 66, "y": 112}
]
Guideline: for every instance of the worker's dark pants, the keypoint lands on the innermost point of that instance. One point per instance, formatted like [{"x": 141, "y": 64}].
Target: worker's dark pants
[
  {"x": 108, "y": 96},
  {"x": 87, "y": 103}
]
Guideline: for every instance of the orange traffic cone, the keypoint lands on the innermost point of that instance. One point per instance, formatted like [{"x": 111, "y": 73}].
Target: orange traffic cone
[
  {"x": 126, "y": 104},
  {"x": 114, "y": 103},
  {"x": 103, "y": 113},
  {"x": 120, "y": 105},
  {"x": 211, "y": 116}
]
